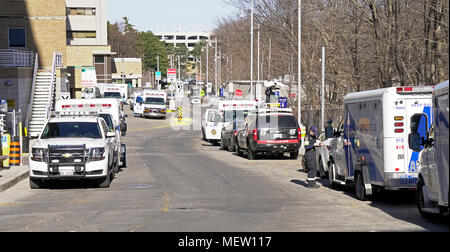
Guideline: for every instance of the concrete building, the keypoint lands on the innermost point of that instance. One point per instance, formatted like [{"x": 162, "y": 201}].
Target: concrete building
[
  {"x": 187, "y": 38},
  {"x": 127, "y": 71},
  {"x": 87, "y": 43}
]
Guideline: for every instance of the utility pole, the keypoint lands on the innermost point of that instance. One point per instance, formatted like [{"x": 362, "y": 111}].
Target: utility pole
[
  {"x": 299, "y": 79},
  {"x": 323, "y": 88},
  {"x": 215, "y": 70},
  {"x": 251, "y": 52},
  {"x": 259, "y": 67},
  {"x": 270, "y": 58}
]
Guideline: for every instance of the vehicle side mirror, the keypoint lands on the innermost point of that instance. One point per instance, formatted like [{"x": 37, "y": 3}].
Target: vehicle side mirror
[
  {"x": 418, "y": 137},
  {"x": 414, "y": 141},
  {"x": 110, "y": 134}
]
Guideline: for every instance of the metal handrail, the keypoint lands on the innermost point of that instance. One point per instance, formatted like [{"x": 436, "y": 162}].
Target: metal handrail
[
  {"x": 33, "y": 87},
  {"x": 56, "y": 63}
]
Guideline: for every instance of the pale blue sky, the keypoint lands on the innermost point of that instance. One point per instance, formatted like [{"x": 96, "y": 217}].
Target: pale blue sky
[{"x": 170, "y": 15}]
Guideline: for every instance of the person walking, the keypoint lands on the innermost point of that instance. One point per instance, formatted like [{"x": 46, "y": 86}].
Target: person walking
[{"x": 310, "y": 157}]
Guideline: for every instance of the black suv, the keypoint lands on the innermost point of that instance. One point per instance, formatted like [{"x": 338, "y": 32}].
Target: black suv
[{"x": 269, "y": 132}]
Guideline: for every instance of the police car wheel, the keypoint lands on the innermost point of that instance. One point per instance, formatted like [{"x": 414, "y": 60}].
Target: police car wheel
[
  {"x": 294, "y": 155},
  {"x": 105, "y": 182},
  {"x": 251, "y": 154},
  {"x": 238, "y": 150}
]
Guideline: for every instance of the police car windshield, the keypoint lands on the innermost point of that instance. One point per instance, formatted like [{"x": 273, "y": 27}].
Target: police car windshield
[
  {"x": 115, "y": 95},
  {"x": 277, "y": 121},
  {"x": 72, "y": 130},
  {"x": 108, "y": 121},
  {"x": 155, "y": 101}
]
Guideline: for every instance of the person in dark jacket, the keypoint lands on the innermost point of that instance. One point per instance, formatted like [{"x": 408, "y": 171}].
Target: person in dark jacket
[{"x": 310, "y": 156}]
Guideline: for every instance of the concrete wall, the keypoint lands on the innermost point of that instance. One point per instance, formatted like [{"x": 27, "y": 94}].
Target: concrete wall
[{"x": 20, "y": 90}]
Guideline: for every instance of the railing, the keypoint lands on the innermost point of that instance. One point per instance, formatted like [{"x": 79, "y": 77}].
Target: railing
[
  {"x": 16, "y": 58},
  {"x": 57, "y": 62},
  {"x": 33, "y": 88}
]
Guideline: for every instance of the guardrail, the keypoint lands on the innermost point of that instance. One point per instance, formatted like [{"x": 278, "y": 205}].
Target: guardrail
[{"x": 16, "y": 58}]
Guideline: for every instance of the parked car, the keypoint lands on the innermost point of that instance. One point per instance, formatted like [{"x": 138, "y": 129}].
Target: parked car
[
  {"x": 229, "y": 134},
  {"x": 269, "y": 132}
]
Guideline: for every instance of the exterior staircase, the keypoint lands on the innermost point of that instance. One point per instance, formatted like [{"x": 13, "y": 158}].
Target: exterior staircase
[{"x": 43, "y": 95}]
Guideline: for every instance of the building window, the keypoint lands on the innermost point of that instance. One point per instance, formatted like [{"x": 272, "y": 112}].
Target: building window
[
  {"x": 99, "y": 59},
  {"x": 81, "y": 11},
  {"x": 17, "y": 38},
  {"x": 81, "y": 34}
]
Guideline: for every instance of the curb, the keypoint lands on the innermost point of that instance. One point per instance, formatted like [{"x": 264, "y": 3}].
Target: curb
[{"x": 13, "y": 181}]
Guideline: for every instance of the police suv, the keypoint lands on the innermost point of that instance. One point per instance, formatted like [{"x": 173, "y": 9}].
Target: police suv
[
  {"x": 110, "y": 111},
  {"x": 270, "y": 131},
  {"x": 74, "y": 146}
]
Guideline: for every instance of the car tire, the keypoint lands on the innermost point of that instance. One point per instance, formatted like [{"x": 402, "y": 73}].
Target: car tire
[
  {"x": 333, "y": 185},
  {"x": 232, "y": 148},
  {"x": 251, "y": 153},
  {"x": 222, "y": 145},
  {"x": 238, "y": 150},
  {"x": 359, "y": 187},
  {"x": 34, "y": 183},
  {"x": 105, "y": 182},
  {"x": 420, "y": 201},
  {"x": 294, "y": 155}
]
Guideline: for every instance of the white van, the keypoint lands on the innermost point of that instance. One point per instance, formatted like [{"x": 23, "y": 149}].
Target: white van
[
  {"x": 371, "y": 149},
  {"x": 155, "y": 103},
  {"x": 433, "y": 185}
]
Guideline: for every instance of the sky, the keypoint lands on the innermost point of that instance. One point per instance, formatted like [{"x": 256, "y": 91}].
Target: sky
[{"x": 170, "y": 15}]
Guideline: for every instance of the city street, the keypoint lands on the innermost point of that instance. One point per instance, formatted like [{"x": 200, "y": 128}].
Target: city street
[{"x": 176, "y": 182}]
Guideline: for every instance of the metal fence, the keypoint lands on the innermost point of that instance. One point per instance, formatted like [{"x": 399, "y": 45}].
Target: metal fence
[
  {"x": 16, "y": 58},
  {"x": 314, "y": 118}
]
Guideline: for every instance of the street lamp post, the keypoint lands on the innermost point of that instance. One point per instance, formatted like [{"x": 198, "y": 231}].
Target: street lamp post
[
  {"x": 299, "y": 79},
  {"x": 251, "y": 52}
]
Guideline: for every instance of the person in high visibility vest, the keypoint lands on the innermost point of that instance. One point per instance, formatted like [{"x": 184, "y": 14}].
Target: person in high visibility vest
[{"x": 310, "y": 156}]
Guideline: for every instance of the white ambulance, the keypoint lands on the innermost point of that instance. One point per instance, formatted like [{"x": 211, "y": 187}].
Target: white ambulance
[
  {"x": 371, "y": 149},
  {"x": 155, "y": 104},
  {"x": 109, "y": 110},
  {"x": 115, "y": 91},
  {"x": 227, "y": 111}
]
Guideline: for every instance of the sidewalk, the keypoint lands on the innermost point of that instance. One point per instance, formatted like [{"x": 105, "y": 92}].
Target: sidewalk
[{"x": 12, "y": 176}]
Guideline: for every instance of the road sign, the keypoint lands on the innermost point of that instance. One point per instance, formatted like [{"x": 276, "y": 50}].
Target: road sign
[
  {"x": 180, "y": 89},
  {"x": 239, "y": 92},
  {"x": 283, "y": 102},
  {"x": 172, "y": 75},
  {"x": 157, "y": 76}
]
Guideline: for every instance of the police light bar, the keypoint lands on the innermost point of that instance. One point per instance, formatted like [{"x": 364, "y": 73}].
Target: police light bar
[
  {"x": 417, "y": 90},
  {"x": 74, "y": 113}
]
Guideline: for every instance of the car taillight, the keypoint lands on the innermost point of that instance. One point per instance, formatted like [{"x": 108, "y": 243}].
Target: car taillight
[
  {"x": 299, "y": 134},
  {"x": 399, "y": 130},
  {"x": 255, "y": 134}
]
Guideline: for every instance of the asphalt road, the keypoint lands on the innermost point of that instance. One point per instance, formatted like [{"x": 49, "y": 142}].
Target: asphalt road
[{"x": 177, "y": 183}]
